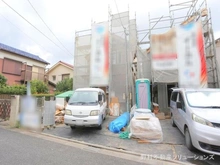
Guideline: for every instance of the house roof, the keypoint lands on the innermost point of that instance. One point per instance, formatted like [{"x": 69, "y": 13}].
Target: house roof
[
  {"x": 60, "y": 63},
  {"x": 69, "y": 65},
  {"x": 22, "y": 53}
]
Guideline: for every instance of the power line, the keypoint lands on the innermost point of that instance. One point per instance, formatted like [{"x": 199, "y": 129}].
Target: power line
[
  {"x": 48, "y": 26},
  {"x": 22, "y": 31},
  {"x": 31, "y": 24}
]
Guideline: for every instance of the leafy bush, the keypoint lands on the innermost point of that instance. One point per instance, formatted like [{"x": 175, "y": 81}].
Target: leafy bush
[
  {"x": 3, "y": 80},
  {"x": 13, "y": 90},
  {"x": 65, "y": 85},
  {"x": 38, "y": 87}
]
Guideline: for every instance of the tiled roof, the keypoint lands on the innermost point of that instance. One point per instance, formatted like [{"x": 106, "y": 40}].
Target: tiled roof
[
  {"x": 60, "y": 63},
  {"x": 66, "y": 64},
  {"x": 22, "y": 53}
]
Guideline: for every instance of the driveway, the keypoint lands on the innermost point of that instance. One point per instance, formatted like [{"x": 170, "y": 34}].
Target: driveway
[{"x": 172, "y": 147}]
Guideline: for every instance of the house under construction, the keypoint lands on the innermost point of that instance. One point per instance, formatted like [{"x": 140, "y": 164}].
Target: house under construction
[{"x": 130, "y": 61}]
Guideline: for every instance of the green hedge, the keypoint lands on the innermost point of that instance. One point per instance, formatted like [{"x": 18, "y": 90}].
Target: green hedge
[
  {"x": 21, "y": 90},
  {"x": 13, "y": 90},
  {"x": 47, "y": 96}
]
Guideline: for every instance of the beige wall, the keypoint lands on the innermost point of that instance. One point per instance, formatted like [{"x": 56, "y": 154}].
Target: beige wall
[
  {"x": 58, "y": 71},
  {"x": 21, "y": 58}
]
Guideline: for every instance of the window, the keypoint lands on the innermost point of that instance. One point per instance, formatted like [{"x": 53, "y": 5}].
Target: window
[
  {"x": 12, "y": 67},
  {"x": 38, "y": 73},
  {"x": 181, "y": 100},
  {"x": 203, "y": 99},
  {"x": 65, "y": 76},
  {"x": 28, "y": 73},
  {"x": 174, "y": 96},
  {"x": 54, "y": 78},
  {"x": 84, "y": 97},
  {"x": 103, "y": 96}
]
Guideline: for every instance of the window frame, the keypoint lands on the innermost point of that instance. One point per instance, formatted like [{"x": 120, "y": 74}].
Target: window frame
[
  {"x": 172, "y": 95},
  {"x": 16, "y": 69},
  {"x": 67, "y": 74},
  {"x": 54, "y": 77}
]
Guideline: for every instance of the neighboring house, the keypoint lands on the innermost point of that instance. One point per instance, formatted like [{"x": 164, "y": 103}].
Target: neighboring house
[
  {"x": 19, "y": 66},
  {"x": 59, "y": 72}
]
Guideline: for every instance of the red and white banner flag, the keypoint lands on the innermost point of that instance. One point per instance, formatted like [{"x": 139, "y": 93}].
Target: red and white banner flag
[{"x": 191, "y": 56}]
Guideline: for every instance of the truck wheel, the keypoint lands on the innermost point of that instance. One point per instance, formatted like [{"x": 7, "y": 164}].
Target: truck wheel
[
  {"x": 72, "y": 127},
  {"x": 100, "y": 127}
]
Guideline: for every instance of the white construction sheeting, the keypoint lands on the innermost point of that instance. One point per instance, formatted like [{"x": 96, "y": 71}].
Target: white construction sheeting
[
  {"x": 119, "y": 44},
  {"x": 82, "y": 61}
]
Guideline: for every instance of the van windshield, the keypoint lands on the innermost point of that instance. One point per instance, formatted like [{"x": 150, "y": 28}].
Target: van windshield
[
  {"x": 84, "y": 97},
  {"x": 204, "y": 99}
]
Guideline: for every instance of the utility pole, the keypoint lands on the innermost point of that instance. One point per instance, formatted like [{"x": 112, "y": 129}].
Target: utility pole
[{"x": 127, "y": 86}]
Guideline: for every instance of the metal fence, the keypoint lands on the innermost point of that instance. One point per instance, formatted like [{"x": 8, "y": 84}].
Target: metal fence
[{"x": 5, "y": 108}]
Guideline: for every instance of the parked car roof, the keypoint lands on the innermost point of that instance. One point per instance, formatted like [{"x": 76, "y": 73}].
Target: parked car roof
[
  {"x": 89, "y": 89},
  {"x": 195, "y": 89}
]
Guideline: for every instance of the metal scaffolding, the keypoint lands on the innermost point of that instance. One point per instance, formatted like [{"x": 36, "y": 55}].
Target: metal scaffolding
[
  {"x": 197, "y": 10},
  {"x": 123, "y": 45},
  {"x": 82, "y": 59},
  {"x": 181, "y": 14},
  {"x": 123, "y": 48}
]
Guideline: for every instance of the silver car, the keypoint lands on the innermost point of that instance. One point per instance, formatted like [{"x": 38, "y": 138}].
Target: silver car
[{"x": 196, "y": 112}]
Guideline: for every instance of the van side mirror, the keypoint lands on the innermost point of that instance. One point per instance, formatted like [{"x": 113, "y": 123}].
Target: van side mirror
[
  {"x": 179, "y": 105},
  {"x": 99, "y": 97}
]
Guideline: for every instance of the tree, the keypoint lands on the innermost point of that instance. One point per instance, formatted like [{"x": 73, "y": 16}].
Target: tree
[
  {"x": 38, "y": 86},
  {"x": 65, "y": 85},
  {"x": 3, "y": 80}
]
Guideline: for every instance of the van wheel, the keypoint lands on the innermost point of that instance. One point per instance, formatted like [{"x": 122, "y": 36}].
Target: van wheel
[
  {"x": 188, "y": 140},
  {"x": 172, "y": 121},
  {"x": 72, "y": 127},
  {"x": 100, "y": 127}
]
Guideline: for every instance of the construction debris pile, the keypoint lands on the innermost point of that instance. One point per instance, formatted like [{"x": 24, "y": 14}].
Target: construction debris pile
[{"x": 59, "y": 114}]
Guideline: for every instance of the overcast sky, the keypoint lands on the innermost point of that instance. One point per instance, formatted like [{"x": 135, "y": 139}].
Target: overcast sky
[{"x": 64, "y": 17}]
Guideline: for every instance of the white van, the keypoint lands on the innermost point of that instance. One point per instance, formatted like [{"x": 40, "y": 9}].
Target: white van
[
  {"x": 196, "y": 113},
  {"x": 86, "y": 107}
]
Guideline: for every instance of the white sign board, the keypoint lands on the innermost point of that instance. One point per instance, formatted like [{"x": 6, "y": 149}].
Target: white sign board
[
  {"x": 191, "y": 56},
  {"x": 163, "y": 51},
  {"x": 99, "y": 66}
]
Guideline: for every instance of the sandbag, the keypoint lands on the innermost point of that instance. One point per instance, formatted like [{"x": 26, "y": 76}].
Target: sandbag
[
  {"x": 146, "y": 129},
  {"x": 120, "y": 122}
]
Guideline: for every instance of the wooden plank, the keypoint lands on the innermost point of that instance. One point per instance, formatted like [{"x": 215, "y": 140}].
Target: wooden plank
[{"x": 142, "y": 118}]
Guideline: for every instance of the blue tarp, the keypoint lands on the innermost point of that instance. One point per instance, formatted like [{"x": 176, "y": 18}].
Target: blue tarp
[{"x": 120, "y": 122}]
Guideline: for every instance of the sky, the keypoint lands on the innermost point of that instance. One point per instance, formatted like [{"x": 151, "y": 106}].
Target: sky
[{"x": 65, "y": 17}]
